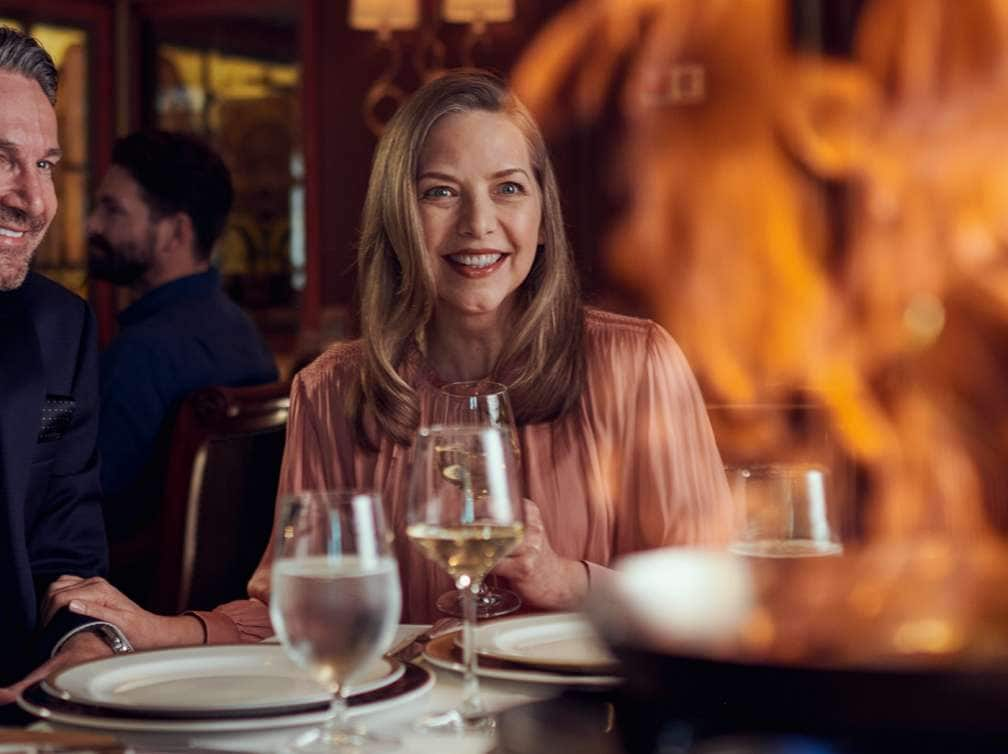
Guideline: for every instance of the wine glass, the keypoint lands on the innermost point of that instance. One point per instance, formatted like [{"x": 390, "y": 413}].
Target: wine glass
[
  {"x": 784, "y": 513},
  {"x": 335, "y": 598},
  {"x": 478, "y": 403},
  {"x": 465, "y": 513}
]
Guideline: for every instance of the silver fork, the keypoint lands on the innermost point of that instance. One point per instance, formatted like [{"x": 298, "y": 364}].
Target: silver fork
[{"x": 413, "y": 647}]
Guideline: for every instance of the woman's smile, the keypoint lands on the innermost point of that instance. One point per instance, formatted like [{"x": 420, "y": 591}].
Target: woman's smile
[
  {"x": 480, "y": 208},
  {"x": 473, "y": 263}
]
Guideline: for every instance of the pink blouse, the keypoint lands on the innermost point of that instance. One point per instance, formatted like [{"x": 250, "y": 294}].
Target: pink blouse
[{"x": 634, "y": 466}]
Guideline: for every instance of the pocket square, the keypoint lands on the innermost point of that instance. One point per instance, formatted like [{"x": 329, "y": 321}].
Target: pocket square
[{"x": 57, "y": 413}]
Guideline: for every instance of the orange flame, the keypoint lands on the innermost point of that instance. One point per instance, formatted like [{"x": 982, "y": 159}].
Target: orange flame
[{"x": 814, "y": 227}]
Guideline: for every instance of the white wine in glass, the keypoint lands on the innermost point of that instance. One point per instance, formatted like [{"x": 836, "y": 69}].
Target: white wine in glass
[
  {"x": 476, "y": 403},
  {"x": 465, "y": 534},
  {"x": 466, "y": 550},
  {"x": 335, "y": 599}
]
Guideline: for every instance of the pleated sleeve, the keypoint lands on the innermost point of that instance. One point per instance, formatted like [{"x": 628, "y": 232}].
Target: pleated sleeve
[{"x": 673, "y": 489}]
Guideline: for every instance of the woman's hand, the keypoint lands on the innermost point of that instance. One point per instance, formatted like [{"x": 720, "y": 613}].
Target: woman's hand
[
  {"x": 541, "y": 577},
  {"x": 97, "y": 598}
]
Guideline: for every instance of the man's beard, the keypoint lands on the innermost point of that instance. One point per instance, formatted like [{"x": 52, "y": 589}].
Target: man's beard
[
  {"x": 120, "y": 266},
  {"x": 14, "y": 263},
  {"x": 14, "y": 270}
]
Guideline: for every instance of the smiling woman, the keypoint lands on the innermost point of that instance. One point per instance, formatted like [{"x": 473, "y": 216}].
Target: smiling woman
[
  {"x": 465, "y": 273},
  {"x": 480, "y": 210},
  {"x": 462, "y": 173}
]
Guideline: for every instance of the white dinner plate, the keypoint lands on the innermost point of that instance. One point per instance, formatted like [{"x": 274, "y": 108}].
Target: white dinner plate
[
  {"x": 417, "y": 682},
  {"x": 97, "y": 722},
  {"x": 560, "y": 640},
  {"x": 228, "y": 679},
  {"x": 443, "y": 653}
]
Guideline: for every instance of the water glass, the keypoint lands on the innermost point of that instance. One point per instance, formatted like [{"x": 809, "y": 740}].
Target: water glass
[
  {"x": 783, "y": 511},
  {"x": 335, "y": 598}
]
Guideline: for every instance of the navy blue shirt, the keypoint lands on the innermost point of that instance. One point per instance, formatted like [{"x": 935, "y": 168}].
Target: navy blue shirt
[{"x": 179, "y": 337}]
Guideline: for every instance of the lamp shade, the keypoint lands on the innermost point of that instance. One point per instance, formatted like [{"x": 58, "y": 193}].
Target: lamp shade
[
  {"x": 477, "y": 11},
  {"x": 384, "y": 15}
]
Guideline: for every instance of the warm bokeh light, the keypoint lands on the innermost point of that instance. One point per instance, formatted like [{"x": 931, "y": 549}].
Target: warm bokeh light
[
  {"x": 816, "y": 229},
  {"x": 826, "y": 238}
]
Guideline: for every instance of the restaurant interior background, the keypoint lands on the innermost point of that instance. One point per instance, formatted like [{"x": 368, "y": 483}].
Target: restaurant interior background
[{"x": 808, "y": 194}]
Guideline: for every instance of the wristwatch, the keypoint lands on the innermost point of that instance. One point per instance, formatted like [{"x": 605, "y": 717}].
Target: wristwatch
[
  {"x": 112, "y": 636},
  {"x": 107, "y": 632}
]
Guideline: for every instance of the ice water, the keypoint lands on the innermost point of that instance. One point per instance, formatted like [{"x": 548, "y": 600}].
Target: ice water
[{"x": 335, "y": 615}]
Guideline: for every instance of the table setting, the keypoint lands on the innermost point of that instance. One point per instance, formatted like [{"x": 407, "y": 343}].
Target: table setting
[
  {"x": 342, "y": 676},
  {"x": 254, "y": 697}
]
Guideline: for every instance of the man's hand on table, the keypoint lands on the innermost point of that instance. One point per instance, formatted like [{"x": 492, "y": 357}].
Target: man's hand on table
[
  {"x": 97, "y": 598},
  {"x": 79, "y": 648}
]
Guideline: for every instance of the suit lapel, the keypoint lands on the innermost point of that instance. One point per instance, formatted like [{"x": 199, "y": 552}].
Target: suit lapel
[{"x": 22, "y": 390}]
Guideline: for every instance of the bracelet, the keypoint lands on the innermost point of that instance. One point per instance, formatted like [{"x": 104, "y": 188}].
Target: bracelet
[{"x": 202, "y": 622}]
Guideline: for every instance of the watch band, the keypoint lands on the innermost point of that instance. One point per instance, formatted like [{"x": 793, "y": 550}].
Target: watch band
[
  {"x": 107, "y": 632},
  {"x": 112, "y": 636}
]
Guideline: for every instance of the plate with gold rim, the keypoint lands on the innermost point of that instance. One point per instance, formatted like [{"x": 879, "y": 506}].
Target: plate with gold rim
[
  {"x": 562, "y": 641},
  {"x": 444, "y": 652}
]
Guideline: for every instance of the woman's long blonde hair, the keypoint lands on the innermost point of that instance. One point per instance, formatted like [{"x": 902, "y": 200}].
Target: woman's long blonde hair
[{"x": 542, "y": 363}]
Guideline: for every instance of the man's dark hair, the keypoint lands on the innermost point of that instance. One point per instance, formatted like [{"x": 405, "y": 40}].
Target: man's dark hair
[
  {"x": 179, "y": 173},
  {"x": 20, "y": 53}
]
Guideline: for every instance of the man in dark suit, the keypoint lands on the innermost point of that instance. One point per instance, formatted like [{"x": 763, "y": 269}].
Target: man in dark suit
[{"x": 50, "y": 496}]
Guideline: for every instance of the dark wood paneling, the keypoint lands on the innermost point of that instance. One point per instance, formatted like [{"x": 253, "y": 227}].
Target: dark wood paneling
[{"x": 311, "y": 47}]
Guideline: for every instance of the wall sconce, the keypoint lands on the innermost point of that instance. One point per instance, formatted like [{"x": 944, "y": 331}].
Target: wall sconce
[
  {"x": 476, "y": 13},
  {"x": 386, "y": 16},
  {"x": 383, "y": 17}
]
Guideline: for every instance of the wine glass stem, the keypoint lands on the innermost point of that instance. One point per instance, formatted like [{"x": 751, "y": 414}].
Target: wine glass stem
[
  {"x": 335, "y": 726},
  {"x": 472, "y": 705}
]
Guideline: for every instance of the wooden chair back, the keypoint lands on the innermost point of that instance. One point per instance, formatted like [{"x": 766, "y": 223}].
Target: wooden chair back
[{"x": 221, "y": 479}]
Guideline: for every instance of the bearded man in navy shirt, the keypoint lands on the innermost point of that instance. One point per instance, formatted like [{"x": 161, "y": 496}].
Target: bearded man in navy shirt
[{"x": 157, "y": 214}]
